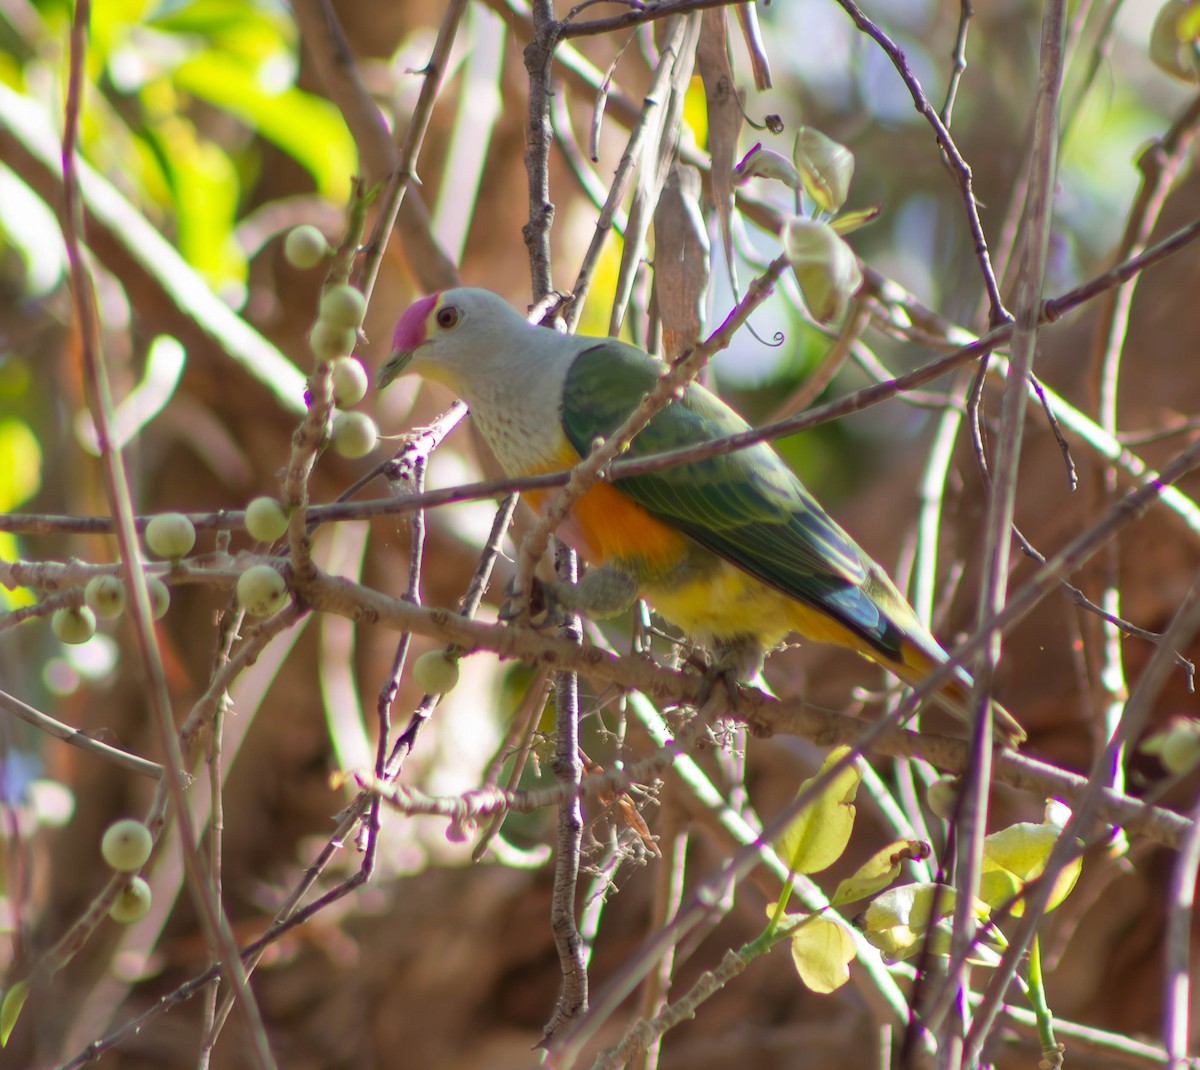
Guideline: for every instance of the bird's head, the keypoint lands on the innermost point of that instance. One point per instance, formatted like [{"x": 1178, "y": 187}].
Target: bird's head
[{"x": 451, "y": 337}]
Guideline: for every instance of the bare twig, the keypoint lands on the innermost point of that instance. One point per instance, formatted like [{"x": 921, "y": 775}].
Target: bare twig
[
  {"x": 45, "y": 723},
  {"x": 212, "y": 916},
  {"x": 958, "y": 165},
  {"x": 971, "y": 823},
  {"x": 539, "y": 59}
]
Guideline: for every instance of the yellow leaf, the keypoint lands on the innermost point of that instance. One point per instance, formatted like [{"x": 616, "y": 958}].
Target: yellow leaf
[
  {"x": 822, "y": 952},
  {"x": 20, "y": 464},
  {"x": 1016, "y": 855},
  {"x": 10, "y": 1009},
  {"x": 818, "y": 835},
  {"x": 879, "y": 870}
]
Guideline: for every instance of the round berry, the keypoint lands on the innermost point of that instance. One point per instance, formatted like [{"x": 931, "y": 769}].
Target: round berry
[
  {"x": 342, "y": 306},
  {"x": 349, "y": 381},
  {"x": 73, "y": 624},
  {"x": 435, "y": 672},
  {"x": 1180, "y": 749},
  {"x": 160, "y": 597},
  {"x": 942, "y": 796},
  {"x": 170, "y": 535},
  {"x": 305, "y": 246},
  {"x": 266, "y": 520},
  {"x": 126, "y": 845},
  {"x": 329, "y": 341},
  {"x": 261, "y": 591},
  {"x": 132, "y": 902},
  {"x": 105, "y": 595},
  {"x": 354, "y": 434}
]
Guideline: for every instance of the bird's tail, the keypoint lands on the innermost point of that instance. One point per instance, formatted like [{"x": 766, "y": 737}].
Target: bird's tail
[{"x": 954, "y": 695}]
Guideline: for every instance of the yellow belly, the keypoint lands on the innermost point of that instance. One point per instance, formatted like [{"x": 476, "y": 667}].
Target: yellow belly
[{"x": 731, "y": 603}]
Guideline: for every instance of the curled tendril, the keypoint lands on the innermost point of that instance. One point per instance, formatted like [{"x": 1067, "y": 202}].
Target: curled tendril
[{"x": 777, "y": 339}]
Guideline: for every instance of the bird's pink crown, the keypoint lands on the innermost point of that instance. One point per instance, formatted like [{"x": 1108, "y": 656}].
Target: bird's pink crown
[{"x": 410, "y": 328}]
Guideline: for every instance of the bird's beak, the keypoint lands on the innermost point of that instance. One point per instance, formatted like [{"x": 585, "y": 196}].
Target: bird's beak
[{"x": 394, "y": 367}]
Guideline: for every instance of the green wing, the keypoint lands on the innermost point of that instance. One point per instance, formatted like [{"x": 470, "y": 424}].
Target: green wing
[{"x": 748, "y": 507}]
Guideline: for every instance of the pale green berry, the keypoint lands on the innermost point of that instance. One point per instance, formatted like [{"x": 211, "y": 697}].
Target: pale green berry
[
  {"x": 1180, "y": 749},
  {"x": 942, "y": 796},
  {"x": 354, "y": 434},
  {"x": 328, "y": 341},
  {"x": 126, "y": 845},
  {"x": 349, "y": 381},
  {"x": 170, "y": 535},
  {"x": 160, "y": 597},
  {"x": 342, "y": 306},
  {"x": 261, "y": 591},
  {"x": 435, "y": 672},
  {"x": 304, "y": 246},
  {"x": 266, "y": 520},
  {"x": 105, "y": 595},
  {"x": 73, "y": 624},
  {"x": 132, "y": 902}
]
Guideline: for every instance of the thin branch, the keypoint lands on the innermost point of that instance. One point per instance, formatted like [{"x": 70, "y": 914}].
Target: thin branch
[
  {"x": 638, "y": 16},
  {"x": 958, "y": 165},
  {"x": 45, "y": 723},
  {"x": 378, "y": 155},
  {"x": 539, "y": 59},
  {"x": 212, "y": 916}
]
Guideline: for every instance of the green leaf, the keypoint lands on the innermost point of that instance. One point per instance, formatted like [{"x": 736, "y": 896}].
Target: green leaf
[
  {"x": 822, "y": 952},
  {"x": 205, "y": 189},
  {"x": 848, "y": 222},
  {"x": 1175, "y": 39},
  {"x": 307, "y": 128},
  {"x": 879, "y": 871},
  {"x": 825, "y": 266},
  {"x": 10, "y": 1009},
  {"x": 818, "y": 835},
  {"x": 826, "y": 168}
]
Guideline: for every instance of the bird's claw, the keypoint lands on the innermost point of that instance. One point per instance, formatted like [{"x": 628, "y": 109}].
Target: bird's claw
[
  {"x": 538, "y": 608},
  {"x": 719, "y": 674}
]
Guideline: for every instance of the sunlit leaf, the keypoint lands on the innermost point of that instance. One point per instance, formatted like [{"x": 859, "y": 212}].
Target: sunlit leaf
[
  {"x": 307, "y": 128},
  {"x": 10, "y": 1009},
  {"x": 826, "y": 168},
  {"x": 1016, "y": 855},
  {"x": 898, "y": 920},
  {"x": 1175, "y": 39},
  {"x": 20, "y": 464},
  {"x": 818, "y": 835},
  {"x": 822, "y": 952},
  {"x": 205, "y": 190},
  {"x": 849, "y": 222},
  {"x": 879, "y": 870}
]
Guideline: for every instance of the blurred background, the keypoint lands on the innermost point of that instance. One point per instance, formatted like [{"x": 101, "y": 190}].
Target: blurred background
[{"x": 209, "y": 130}]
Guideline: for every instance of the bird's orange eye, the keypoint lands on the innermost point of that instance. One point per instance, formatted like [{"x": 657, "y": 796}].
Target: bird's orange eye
[{"x": 447, "y": 317}]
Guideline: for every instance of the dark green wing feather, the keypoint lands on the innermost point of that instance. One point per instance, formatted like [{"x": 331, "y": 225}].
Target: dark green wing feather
[{"x": 748, "y": 507}]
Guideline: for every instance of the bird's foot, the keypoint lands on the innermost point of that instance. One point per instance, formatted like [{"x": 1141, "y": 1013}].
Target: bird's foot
[
  {"x": 718, "y": 678},
  {"x": 734, "y": 662},
  {"x": 539, "y": 608}
]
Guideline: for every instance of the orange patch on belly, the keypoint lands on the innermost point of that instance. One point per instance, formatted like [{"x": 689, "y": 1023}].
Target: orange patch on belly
[{"x": 611, "y": 524}]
